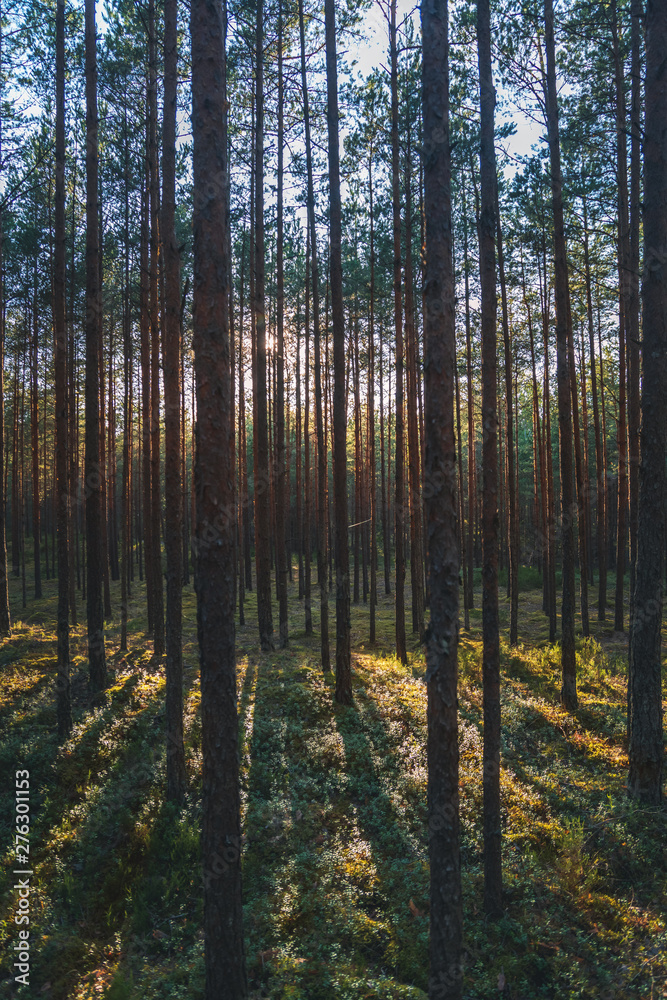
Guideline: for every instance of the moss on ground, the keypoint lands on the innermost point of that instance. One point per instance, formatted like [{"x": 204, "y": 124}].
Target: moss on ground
[{"x": 334, "y": 808}]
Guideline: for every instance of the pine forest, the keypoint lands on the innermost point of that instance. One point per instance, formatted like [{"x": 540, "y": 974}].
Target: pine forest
[{"x": 333, "y": 499}]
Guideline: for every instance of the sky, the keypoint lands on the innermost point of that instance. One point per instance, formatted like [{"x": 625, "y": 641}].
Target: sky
[{"x": 371, "y": 51}]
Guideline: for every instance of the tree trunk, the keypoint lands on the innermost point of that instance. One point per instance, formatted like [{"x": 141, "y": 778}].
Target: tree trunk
[
  {"x": 605, "y": 444},
  {"x": 386, "y": 551},
  {"x": 414, "y": 446},
  {"x": 104, "y": 540},
  {"x": 5, "y": 620},
  {"x": 215, "y": 522},
  {"x": 585, "y": 459},
  {"x": 93, "y": 472},
  {"x": 446, "y": 917},
  {"x": 371, "y": 403},
  {"x": 126, "y": 532},
  {"x": 513, "y": 542},
  {"x": 355, "y": 375},
  {"x": 634, "y": 413},
  {"x": 646, "y": 738},
  {"x": 489, "y": 228},
  {"x": 306, "y": 457},
  {"x": 461, "y": 506},
  {"x": 22, "y": 498},
  {"x": 280, "y": 478},
  {"x": 322, "y": 531},
  {"x": 299, "y": 454},
  {"x": 399, "y": 512},
  {"x": 600, "y": 531},
  {"x": 156, "y": 533},
  {"x": 260, "y": 428},
  {"x": 74, "y": 569},
  {"x": 544, "y": 516},
  {"x": 579, "y": 478},
  {"x": 145, "y": 348},
  {"x": 34, "y": 436},
  {"x": 343, "y": 664},
  {"x": 243, "y": 481},
  {"x": 63, "y": 702},
  {"x": 472, "y": 471},
  {"x": 623, "y": 326},
  {"x": 568, "y": 507},
  {"x": 171, "y": 356},
  {"x": 551, "y": 496}
]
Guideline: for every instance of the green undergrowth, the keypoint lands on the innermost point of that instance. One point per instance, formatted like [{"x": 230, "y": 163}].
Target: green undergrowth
[{"x": 335, "y": 860}]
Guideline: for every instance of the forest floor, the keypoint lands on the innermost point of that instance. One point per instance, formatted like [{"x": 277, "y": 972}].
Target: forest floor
[{"x": 335, "y": 861}]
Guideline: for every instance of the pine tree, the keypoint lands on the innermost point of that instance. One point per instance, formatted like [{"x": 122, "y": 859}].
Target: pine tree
[
  {"x": 343, "y": 664},
  {"x": 562, "y": 298},
  {"x": 490, "y": 623},
  {"x": 64, "y": 707},
  {"x": 93, "y": 468},
  {"x": 215, "y": 521},
  {"x": 646, "y": 737},
  {"x": 446, "y": 918},
  {"x": 171, "y": 353}
]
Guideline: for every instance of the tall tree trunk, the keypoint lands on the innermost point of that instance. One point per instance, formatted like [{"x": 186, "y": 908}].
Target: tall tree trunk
[
  {"x": 568, "y": 507},
  {"x": 472, "y": 471},
  {"x": 548, "y": 454},
  {"x": 623, "y": 326},
  {"x": 261, "y": 429},
  {"x": 73, "y": 442},
  {"x": 63, "y": 703},
  {"x": 585, "y": 458},
  {"x": 243, "y": 481},
  {"x": 171, "y": 355},
  {"x": 34, "y": 436},
  {"x": 371, "y": 402},
  {"x": 605, "y": 443},
  {"x": 634, "y": 413},
  {"x": 104, "y": 540},
  {"x": 414, "y": 446},
  {"x": 322, "y": 520},
  {"x": 600, "y": 531},
  {"x": 544, "y": 515},
  {"x": 185, "y": 521},
  {"x": 126, "y": 532},
  {"x": 646, "y": 736},
  {"x": 386, "y": 550},
  {"x": 145, "y": 462},
  {"x": 16, "y": 476},
  {"x": 5, "y": 620},
  {"x": 280, "y": 478},
  {"x": 399, "y": 477},
  {"x": 156, "y": 533},
  {"x": 488, "y": 229},
  {"x": 343, "y": 664},
  {"x": 22, "y": 498},
  {"x": 93, "y": 492},
  {"x": 461, "y": 506},
  {"x": 306, "y": 540},
  {"x": 299, "y": 452},
  {"x": 579, "y": 479},
  {"x": 446, "y": 917},
  {"x": 322, "y": 471},
  {"x": 112, "y": 528},
  {"x": 215, "y": 521},
  {"x": 512, "y": 485},
  {"x": 355, "y": 375}
]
